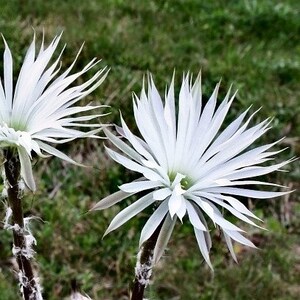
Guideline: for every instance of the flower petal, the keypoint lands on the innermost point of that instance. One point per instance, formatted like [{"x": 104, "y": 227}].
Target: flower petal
[
  {"x": 8, "y": 76},
  {"x": 229, "y": 245},
  {"x": 162, "y": 194},
  {"x": 174, "y": 203},
  {"x": 153, "y": 222},
  {"x": 138, "y": 186},
  {"x": 111, "y": 200},
  {"x": 163, "y": 237},
  {"x": 51, "y": 150},
  {"x": 130, "y": 211},
  {"x": 203, "y": 246},
  {"x": 246, "y": 192},
  {"x": 122, "y": 146},
  {"x": 239, "y": 238},
  {"x": 194, "y": 217},
  {"x": 131, "y": 165},
  {"x": 26, "y": 168}
]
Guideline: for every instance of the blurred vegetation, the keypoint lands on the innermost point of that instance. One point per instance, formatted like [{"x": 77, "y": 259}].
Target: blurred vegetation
[{"x": 252, "y": 44}]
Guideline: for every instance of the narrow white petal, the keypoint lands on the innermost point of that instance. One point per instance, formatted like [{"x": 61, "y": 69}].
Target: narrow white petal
[
  {"x": 182, "y": 209},
  {"x": 111, "y": 200},
  {"x": 239, "y": 238},
  {"x": 163, "y": 237},
  {"x": 138, "y": 186},
  {"x": 197, "y": 93},
  {"x": 246, "y": 192},
  {"x": 26, "y": 168},
  {"x": 8, "y": 75},
  {"x": 131, "y": 165},
  {"x": 229, "y": 245},
  {"x": 194, "y": 217},
  {"x": 222, "y": 182},
  {"x": 226, "y": 182},
  {"x": 183, "y": 120},
  {"x": 162, "y": 194},
  {"x": 209, "y": 108},
  {"x": 203, "y": 246},
  {"x": 4, "y": 112},
  {"x": 169, "y": 112},
  {"x": 205, "y": 207},
  {"x": 169, "y": 115},
  {"x": 122, "y": 146},
  {"x": 174, "y": 203},
  {"x": 36, "y": 148},
  {"x": 153, "y": 222},
  {"x": 202, "y": 218},
  {"x": 129, "y": 212},
  {"x": 51, "y": 150}
]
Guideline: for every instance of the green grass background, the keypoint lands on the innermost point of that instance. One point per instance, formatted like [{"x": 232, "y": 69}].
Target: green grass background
[{"x": 252, "y": 44}]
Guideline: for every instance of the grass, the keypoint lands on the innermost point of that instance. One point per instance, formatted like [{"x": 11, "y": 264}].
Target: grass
[{"x": 252, "y": 44}]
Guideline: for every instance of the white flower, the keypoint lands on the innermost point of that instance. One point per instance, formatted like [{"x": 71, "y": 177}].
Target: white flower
[
  {"x": 39, "y": 109},
  {"x": 192, "y": 167}
]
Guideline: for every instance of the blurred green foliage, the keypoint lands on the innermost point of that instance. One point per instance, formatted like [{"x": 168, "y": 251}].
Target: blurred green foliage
[{"x": 252, "y": 44}]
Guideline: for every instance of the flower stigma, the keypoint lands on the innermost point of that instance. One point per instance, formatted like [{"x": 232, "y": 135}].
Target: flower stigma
[{"x": 185, "y": 182}]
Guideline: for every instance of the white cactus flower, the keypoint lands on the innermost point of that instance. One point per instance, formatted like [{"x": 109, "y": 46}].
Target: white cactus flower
[
  {"x": 40, "y": 108},
  {"x": 192, "y": 167}
]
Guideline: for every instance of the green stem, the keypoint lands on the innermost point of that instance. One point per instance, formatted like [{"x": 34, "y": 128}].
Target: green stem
[{"x": 12, "y": 168}]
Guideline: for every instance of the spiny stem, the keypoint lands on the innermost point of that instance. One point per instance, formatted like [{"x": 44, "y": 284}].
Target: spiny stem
[
  {"x": 12, "y": 167},
  {"x": 144, "y": 265}
]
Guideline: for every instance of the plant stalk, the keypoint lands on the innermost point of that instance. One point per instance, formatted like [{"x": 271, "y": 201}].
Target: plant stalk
[
  {"x": 28, "y": 284},
  {"x": 144, "y": 265}
]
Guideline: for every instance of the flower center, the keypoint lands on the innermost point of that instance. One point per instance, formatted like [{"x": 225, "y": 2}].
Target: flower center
[
  {"x": 17, "y": 126},
  {"x": 9, "y": 136},
  {"x": 177, "y": 177}
]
